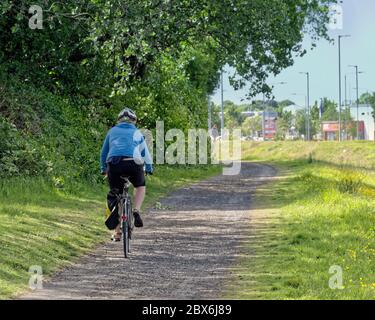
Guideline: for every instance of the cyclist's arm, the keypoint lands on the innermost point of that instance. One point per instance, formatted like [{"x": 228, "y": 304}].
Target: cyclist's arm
[
  {"x": 104, "y": 154},
  {"x": 147, "y": 157}
]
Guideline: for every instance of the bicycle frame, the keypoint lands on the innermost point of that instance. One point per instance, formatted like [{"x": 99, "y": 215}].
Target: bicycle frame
[
  {"x": 125, "y": 215},
  {"x": 123, "y": 200}
]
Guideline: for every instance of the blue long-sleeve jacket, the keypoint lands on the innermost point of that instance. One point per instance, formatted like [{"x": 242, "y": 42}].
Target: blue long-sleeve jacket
[{"x": 125, "y": 140}]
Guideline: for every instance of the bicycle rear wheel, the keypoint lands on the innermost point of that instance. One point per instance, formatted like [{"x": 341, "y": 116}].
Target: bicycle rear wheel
[
  {"x": 125, "y": 237},
  {"x": 127, "y": 226}
]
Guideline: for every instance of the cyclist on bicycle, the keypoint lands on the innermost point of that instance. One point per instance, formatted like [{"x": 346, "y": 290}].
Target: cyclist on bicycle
[{"x": 125, "y": 153}]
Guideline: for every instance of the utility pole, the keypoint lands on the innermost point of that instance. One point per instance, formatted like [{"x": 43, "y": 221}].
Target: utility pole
[
  {"x": 346, "y": 110},
  {"x": 222, "y": 103},
  {"x": 357, "y": 89},
  {"x": 308, "y": 105},
  {"x": 346, "y": 90},
  {"x": 340, "y": 98},
  {"x": 356, "y": 77},
  {"x": 307, "y": 120},
  {"x": 209, "y": 113},
  {"x": 308, "y": 108}
]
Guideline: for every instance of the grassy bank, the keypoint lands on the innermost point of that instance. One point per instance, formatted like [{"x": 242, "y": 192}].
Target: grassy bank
[
  {"x": 316, "y": 215},
  {"x": 46, "y": 226},
  {"x": 356, "y": 154}
]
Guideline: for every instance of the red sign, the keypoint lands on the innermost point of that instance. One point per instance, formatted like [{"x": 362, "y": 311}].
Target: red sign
[{"x": 330, "y": 127}]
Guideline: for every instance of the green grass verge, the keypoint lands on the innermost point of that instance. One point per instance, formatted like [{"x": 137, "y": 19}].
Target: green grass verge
[
  {"x": 356, "y": 154},
  {"x": 314, "y": 216},
  {"x": 44, "y": 226}
]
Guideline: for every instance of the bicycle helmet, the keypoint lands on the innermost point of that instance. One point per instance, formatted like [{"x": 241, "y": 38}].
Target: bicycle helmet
[{"x": 127, "y": 115}]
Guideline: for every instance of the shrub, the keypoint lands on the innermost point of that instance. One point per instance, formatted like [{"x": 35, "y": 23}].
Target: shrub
[{"x": 18, "y": 156}]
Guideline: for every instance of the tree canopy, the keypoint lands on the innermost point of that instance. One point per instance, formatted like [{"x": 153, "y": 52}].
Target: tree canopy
[{"x": 116, "y": 42}]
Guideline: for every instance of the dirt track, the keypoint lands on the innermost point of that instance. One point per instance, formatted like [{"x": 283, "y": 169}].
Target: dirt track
[{"x": 184, "y": 251}]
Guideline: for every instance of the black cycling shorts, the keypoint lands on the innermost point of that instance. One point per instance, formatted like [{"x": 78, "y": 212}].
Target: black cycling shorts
[{"x": 129, "y": 169}]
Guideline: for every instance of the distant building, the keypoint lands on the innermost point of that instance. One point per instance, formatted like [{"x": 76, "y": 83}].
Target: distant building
[
  {"x": 269, "y": 125},
  {"x": 251, "y": 114},
  {"x": 366, "y": 125},
  {"x": 365, "y": 116},
  {"x": 330, "y": 130}
]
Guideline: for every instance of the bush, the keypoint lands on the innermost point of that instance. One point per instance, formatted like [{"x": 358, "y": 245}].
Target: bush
[
  {"x": 18, "y": 156},
  {"x": 45, "y": 134}
]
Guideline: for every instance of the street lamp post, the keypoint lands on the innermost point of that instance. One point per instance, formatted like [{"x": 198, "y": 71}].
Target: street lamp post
[
  {"x": 346, "y": 109},
  {"x": 356, "y": 80},
  {"x": 346, "y": 90},
  {"x": 209, "y": 113},
  {"x": 308, "y": 104},
  {"x": 348, "y": 101},
  {"x": 340, "y": 98},
  {"x": 356, "y": 75},
  {"x": 222, "y": 103},
  {"x": 299, "y": 94}
]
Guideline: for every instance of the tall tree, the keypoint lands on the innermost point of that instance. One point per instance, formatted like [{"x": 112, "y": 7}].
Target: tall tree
[
  {"x": 284, "y": 124},
  {"x": 330, "y": 111},
  {"x": 315, "y": 119},
  {"x": 251, "y": 126},
  {"x": 369, "y": 98},
  {"x": 300, "y": 122}
]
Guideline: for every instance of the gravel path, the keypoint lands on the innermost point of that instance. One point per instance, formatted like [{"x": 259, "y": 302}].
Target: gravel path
[{"x": 184, "y": 251}]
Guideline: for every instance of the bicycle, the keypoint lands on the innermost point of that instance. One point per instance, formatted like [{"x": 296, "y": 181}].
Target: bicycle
[{"x": 126, "y": 217}]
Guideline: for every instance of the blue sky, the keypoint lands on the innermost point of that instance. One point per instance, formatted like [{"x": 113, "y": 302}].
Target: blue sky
[{"x": 322, "y": 62}]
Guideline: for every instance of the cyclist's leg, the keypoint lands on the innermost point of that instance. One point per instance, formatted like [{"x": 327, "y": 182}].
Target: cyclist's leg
[
  {"x": 138, "y": 200},
  {"x": 139, "y": 196},
  {"x": 139, "y": 182},
  {"x": 137, "y": 178},
  {"x": 116, "y": 184}
]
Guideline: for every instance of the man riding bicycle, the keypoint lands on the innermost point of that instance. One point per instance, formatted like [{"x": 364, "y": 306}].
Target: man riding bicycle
[{"x": 125, "y": 153}]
